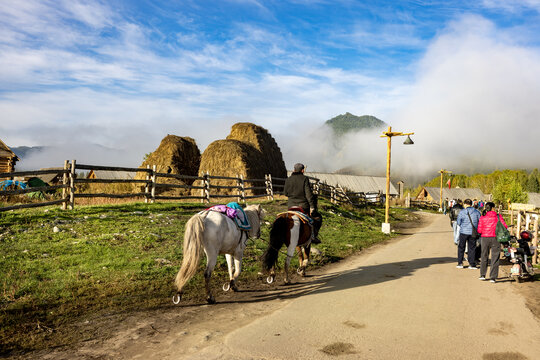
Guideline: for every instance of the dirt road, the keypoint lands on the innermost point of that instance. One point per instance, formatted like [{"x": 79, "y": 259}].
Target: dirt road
[{"x": 402, "y": 300}]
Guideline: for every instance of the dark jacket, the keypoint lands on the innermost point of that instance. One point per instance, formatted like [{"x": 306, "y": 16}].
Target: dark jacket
[
  {"x": 298, "y": 190},
  {"x": 454, "y": 212}
]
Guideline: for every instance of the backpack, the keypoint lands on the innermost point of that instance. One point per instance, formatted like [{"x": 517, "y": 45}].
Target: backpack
[{"x": 501, "y": 233}]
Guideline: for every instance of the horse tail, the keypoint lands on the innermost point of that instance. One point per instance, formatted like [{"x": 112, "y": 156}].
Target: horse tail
[
  {"x": 278, "y": 235},
  {"x": 192, "y": 251}
]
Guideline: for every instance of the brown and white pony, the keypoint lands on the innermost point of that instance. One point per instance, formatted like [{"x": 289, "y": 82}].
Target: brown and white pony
[
  {"x": 216, "y": 234},
  {"x": 288, "y": 229}
]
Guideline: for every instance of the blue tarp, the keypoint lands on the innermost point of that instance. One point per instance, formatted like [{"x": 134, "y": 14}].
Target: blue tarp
[{"x": 7, "y": 183}]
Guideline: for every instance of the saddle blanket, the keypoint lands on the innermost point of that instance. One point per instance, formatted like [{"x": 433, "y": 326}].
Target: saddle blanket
[
  {"x": 303, "y": 217},
  {"x": 235, "y": 212}
]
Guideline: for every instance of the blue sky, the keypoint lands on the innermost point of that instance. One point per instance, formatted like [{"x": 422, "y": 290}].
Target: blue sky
[{"x": 123, "y": 74}]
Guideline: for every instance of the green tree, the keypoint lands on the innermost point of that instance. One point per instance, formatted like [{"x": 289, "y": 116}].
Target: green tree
[
  {"x": 508, "y": 188},
  {"x": 532, "y": 184}
]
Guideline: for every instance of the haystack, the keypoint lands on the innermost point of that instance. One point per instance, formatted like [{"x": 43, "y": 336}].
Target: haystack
[
  {"x": 175, "y": 155},
  {"x": 261, "y": 140},
  {"x": 249, "y": 151}
]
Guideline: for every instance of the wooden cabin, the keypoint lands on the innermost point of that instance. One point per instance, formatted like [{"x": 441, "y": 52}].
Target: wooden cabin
[{"x": 8, "y": 159}]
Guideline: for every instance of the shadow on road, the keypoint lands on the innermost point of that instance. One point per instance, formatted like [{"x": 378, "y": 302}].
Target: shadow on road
[{"x": 362, "y": 276}]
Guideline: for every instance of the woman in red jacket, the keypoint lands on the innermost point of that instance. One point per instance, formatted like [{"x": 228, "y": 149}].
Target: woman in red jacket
[{"x": 486, "y": 227}]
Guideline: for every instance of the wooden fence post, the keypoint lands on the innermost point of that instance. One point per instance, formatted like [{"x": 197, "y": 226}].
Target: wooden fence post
[
  {"x": 270, "y": 188},
  {"x": 146, "y": 187},
  {"x": 242, "y": 188},
  {"x": 65, "y": 183},
  {"x": 518, "y": 227},
  {"x": 72, "y": 175},
  {"x": 207, "y": 186},
  {"x": 535, "y": 241},
  {"x": 154, "y": 177},
  {"x": 238, "y": 188}
]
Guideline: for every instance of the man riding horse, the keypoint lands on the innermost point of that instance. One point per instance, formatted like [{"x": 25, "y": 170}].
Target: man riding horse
[{"x": 298, "y": 190}]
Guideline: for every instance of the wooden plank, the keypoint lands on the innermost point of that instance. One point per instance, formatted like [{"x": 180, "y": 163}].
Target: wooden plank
[
  {"x": 178, "y": 197},
  {"x": 33, "y": 205},
  {"x": 178, "y": 186},
  {"x": 111, "y": 168},
  {"x": 111, "y": 181},
  {"x": 113, "y": 196},
  {"x": 222, "y": 177},
  {"x": 179, "y": 176}
]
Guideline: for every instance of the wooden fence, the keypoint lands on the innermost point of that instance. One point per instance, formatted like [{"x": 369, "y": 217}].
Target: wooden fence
[
  {"x": 521, "y": 220},
  {"x": 209, "y": 190}
]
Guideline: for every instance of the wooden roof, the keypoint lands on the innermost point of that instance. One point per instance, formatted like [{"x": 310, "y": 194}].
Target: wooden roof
[
  {"x": 356, "y": 183},
  {"x": 5, "y": 151},
  {"x": 455, "y": 193}
]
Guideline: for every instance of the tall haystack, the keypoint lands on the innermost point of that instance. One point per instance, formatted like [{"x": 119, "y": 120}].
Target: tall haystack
[
  {"x": 261, "y": 139},
  {"x": 249, "y": 151},
  {"x": 175, "y": 155}
]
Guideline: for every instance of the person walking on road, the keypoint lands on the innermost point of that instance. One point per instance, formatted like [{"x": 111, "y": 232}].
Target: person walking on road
[
  {"x": 486, "y": 227},
  {"x": 467, "y": 218},
  {"x": 454, "y": 213},
  {"x": 298, "y": 190}
]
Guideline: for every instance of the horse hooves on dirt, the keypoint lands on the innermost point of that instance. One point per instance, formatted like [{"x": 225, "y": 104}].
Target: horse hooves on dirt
[
  {"x": 176, "y": 299},
  {"x": 211, "y": 300},
  {"x": 270, "y": 279},
  {"x": 226, "y": 287},
  {"x": 234, "y": 288}
]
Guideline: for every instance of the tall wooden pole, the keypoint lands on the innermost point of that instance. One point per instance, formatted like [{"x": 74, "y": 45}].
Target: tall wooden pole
[
  {"x": 388, "y": 159},
  {"x": 388, "y": 134}
]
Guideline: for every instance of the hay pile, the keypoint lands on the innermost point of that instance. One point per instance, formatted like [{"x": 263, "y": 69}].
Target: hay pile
[
  {"x": 261, "y": 140},
  {"x": 175, "y": 155},
  {"x": 250, "y": 151}
]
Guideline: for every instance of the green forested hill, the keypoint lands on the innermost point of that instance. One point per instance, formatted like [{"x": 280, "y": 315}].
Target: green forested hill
[{"x": 348, "y": 122}]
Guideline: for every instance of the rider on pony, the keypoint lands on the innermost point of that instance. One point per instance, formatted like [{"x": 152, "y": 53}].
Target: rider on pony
[{"x": 298, "y": 190}]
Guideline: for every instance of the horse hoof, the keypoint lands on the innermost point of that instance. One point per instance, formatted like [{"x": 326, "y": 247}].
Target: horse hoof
[
  {"x": 299, "y": 271},
  {"x": 176, "y": 299},
  {"x": 270, "y": 279},
  {"x": 210, "y": 300},
  {"x": 235, "y": 288},
  {"x": 226, "y": 287}
]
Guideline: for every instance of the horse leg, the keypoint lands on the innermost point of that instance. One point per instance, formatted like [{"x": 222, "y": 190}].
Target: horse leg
[
  {"x": 295, "y": 235},
  {"x": 230, "y": 285},
  {"x": 290, "y": 254},
  {"x": 303, "y": 260},
  {"x": 211, "y": 263},
  {"x": 238, "y": 269}
]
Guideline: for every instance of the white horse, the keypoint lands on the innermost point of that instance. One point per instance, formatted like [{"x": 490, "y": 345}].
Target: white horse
[{"x": 217, "y": 234}]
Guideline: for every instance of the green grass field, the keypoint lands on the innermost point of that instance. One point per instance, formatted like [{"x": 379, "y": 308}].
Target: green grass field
[{"x": 56, "y": 266}]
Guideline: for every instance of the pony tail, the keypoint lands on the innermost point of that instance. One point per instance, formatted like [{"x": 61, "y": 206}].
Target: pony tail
[
  {"x": 278, "y": 234},
  {"x": 192, "y": 251}
]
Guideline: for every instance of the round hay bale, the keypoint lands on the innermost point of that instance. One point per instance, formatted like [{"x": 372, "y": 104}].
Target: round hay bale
[
  {"x": 175, "y": 155},
  {"x": 261, "y": 140}
]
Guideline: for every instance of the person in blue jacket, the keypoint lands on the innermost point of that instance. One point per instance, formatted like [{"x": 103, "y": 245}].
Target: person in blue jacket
[{"x": 467, "y": 218}]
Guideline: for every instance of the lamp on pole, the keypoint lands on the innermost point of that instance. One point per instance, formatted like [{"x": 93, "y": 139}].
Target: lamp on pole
[
  {"x": 389, "y": 134},
  {"x": 442, "y": 171}
]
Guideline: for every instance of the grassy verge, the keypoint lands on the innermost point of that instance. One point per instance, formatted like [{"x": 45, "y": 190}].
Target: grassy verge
[{"x": 56, "y": 267}]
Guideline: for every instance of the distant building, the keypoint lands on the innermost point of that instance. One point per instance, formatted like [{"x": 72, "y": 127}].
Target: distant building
[
  {"x": 433, "y": 194},
  {"x": 54, "y": 178},
  {"x": 534, "y": 199},
  {"x": 8, "y": 159},
  {"x": 356, "y": 183}
]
